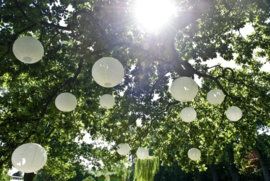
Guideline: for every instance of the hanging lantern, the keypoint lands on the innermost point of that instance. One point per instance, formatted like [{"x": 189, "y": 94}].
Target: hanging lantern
[
  {"x": 234, "y": 113},
  {"x": 142, "y": 153},
  {"x": 66, "y": 102},
  {"x": 123, "y": 149},
  {"x": 29, "y": 157},
  {"x": 215, "y": 96},
  {"x": 194, "y": 154},
  {"x": 28, "y": 49},
  {"x": 108, "y": 72},
  {"x": 107, "y": 101},
  {"x": 188, "y": 114},
  {"x": 184, "y": 89}
]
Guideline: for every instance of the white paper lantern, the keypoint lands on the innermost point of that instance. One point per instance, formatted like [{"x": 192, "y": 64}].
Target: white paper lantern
[
  {"x": 215, "y": 96},
  {"x": 107, "y": 101},
  {"x": 188, "y": 114},
  {"x": 184, "y": 89},
  {"x": 108, "y": 72},
  {"x": 29, "y": 157},
  {"x": 28, "y": 49},
  {"x": 142, "y": 153},
  {"x": 66, "y": 102},
  {"x": 123, "y": 149},
  {"x": 194, "y": 154},
  {"x": 234, "y": 113}
]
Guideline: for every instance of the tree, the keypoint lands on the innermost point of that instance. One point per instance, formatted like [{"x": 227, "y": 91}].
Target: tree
[
  {"x": 146, "y": 169},
  {"x": 4, "y": 175},
  {"x": 202, "y": 30},
  {"x": 262, "y": 152},
  {"x": 89, "y": 178},
  {"x": 173, "y": 172},
  {"x": 116, "y": 169},
  {"x": 81, "y": 174}
]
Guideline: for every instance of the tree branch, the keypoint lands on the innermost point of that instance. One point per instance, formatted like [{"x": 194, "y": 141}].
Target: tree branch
[
  {"x": 9, "y": 43},
  {"x": 19, "y": 7},
  {"x": 195, "y": 13},
  {"x": 69, "y": 81},
  {"x": 56, "y": 26},
  {"x": 89, "y": 14},
  {"x": 155, "y": 84}
]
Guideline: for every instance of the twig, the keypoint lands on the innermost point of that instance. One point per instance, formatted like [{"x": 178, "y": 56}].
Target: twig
[
  {"x": 89, "y": 14},
  {"x": 157, "y": 81},
  {"x": 70, "y": 80},
  {"x": 19, "y": 7},
  {"x": 56, "y": 26}
]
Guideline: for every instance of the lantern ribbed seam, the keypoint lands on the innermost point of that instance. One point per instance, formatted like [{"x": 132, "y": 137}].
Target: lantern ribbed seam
[
  {"x": 41, "y": 163},
  {"x": 23, "y": 154},
  {"x": 34, "y": 155}
]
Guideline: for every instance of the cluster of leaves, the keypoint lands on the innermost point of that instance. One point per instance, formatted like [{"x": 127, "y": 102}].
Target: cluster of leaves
[
  {"x": 4, "y": 175},
  {"x": 146, "y": 169},
  {"x": 81, "y": 174},
  {"x": 120, "y": 169}
]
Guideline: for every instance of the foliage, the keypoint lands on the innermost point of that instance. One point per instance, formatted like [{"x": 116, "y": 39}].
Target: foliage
[
  {"x": 4, "y": 175},
  {"x": 120, "y": 169},
  {"x": 146, "y": 169},
  {"x": 173, "y": 172},
  {"x": 74, "y": 40},
  {"x": 80, "y": 173},
  {"x": 42, "y": 175},
  {"x": 89, "y": 178}
]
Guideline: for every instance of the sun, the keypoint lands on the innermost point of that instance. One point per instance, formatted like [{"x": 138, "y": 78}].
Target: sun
[{"x": 152, "y": 15}]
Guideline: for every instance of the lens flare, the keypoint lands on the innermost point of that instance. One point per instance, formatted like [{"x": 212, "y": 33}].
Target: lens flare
[{"x": 152, "y": 15}]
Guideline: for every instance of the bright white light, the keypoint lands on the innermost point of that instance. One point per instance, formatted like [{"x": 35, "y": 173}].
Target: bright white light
[
  {"x": 139, "y": 122},
  {"x": 153, "y": 14}
]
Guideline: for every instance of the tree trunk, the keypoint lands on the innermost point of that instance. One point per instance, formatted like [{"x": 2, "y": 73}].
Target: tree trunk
[
  {"x": 232, "y": 167},
  {"x": 234, "y": 175},
  {"x": 214, "y": 172},
  {"x": 48, "y": 178},
  {"x": 263, "y": 165},
  {"x": 198, "y": 175},
  {"x": 29, "y": 176}
]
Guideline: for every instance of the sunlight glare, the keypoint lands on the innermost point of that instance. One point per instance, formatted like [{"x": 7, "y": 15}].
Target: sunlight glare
[{"x": 153, "y": 14}]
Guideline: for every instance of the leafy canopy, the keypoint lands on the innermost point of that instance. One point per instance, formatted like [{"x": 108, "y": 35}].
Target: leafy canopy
[{"x": 202, "y": 30}]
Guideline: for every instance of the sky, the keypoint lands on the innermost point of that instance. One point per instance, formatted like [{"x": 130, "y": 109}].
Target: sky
[{"x": 247, "y": 30}]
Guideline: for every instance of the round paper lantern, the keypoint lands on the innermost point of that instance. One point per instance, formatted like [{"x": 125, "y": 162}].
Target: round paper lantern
[
  {"x": 215, "y": 96},
  {"x": 234, "y": 113},
  {"x": 108, "y": 72},
  {"x": 66, "y": 102},
  {"x": 188, "y": 114},
  {"x": 107, "y": 101},
  {"x": 123, "y": 149},
  {"x": 28, "y": 49},
  {"x": 142, "y": 153},
  {"x": 184, "y": 89},
  {"x": 194, "y": 154},
  {"x": 29, "y": 157}
]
